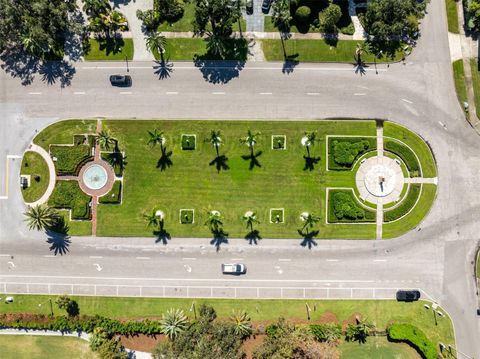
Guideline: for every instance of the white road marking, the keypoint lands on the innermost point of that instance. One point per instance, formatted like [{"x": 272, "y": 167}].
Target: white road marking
[
  {"x": 284, "y": 260},
  {"x": 172, "y": 93},
  {"x": 189, "y": 259},
  {"x": 96, "y": 257},
  {"x": 407, "y": 101},
  {"x": 237, "y": 259},
  {"x": 442, "y": 124},
  {"x": 34, "y": 93},
  {"x": 4, "y": 255},
  {"x": 359, "y": 94},
  {"x": 265, "y": 93},
  {"x": 98, "y": 267},
  {"x": 142, "y": 258},
  {"x": 312, "y": 94},
  {"x": 187, "y": 268},
  {"x": 379, "y": 260},
  {"x": 11, "y": 264},
  {"x": 125, "y": 92},
  {"x": 14, "y": 157},
  {"x": 332, "y": 260},
  {"x": 218, "y": 93},
  {"x": 363, "y": 87},
  {"x": 79, "y": 93},
  {"x": 49, "y": 256}
]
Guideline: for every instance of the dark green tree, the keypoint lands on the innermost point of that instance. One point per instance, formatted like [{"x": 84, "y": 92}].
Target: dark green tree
[
  {"x": 69, "y": 305},
  {"x": 329, "y": 17},
  {"x": 95, "y": 7}
]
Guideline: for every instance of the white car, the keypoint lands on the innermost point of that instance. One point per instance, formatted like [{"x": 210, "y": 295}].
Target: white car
[{"x": 234, "y": 268}]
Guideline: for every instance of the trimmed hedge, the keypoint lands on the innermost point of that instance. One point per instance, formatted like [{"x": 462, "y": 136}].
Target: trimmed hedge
[
  {"x": 343, "y": 151},
  {"x": 67, "y": 194},
  {"x": 114, "y": 196},
  {"x": 407, "y": 333},
  {"x": 84, "y": 323},
  {"x": 405, "y": 206},
  {"x": 70, "y": 158},
  {"x": 405, "y": 153},
  {"x": 343, "y": 207}
]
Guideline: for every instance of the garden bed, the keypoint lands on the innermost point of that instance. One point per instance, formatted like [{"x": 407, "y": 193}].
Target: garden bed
[
  {"x": 344, "y": 151},
  {"x": 34, "y": 165},
  {"x": 69, "y": 159},
  {"x": 408, "y": 202},
  {"x": 406, "y": 154},
  {"x": 343, "y": 207},
  {"x": 67, "y": 194}
]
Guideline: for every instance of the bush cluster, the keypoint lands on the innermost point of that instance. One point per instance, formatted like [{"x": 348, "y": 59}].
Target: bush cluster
[
  {"x": 405, "y": 206},
  {"x": 345, "y": 152},
  {"x": 114, "y": 196},
  {"x": 344, "y": 206},
  {"x": 302, "y": 14},
  {"x": 329, "y": 332},
  {"x": 413, "y": 336},
  {"x": 404, "y": 153},
  {"x": 67, "y": 194},
  {"x": 70, "y": 158},
  {"x": 82, "y": 323}
]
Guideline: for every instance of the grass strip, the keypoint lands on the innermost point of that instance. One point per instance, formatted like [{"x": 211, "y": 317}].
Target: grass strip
[
  {"x": 405, "y": 206},
  {"x": 35, "y": 166}
]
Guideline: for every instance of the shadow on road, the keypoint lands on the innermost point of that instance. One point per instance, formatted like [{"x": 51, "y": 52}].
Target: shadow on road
[
  {"x": 163, "y": 69},
  {"x": 58, "y": 237},
  {"x": 219, "y": 72},
  {"x": 219, "y": 237},
  {"x": 253, "y": 237},
  {"x": 308, "y": 238}
]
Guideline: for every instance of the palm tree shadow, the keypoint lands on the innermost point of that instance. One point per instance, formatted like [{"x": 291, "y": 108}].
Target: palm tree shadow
[
  {"x": 162, "y": 236},
  {"x": 51, "y": 71},
  {"x": 308, "y": 238},
  {"x": 165, "y": 162},
  {"x": 220, "y": 163},
  {"x": 253, "y": 237},
  {"x": 253, "y": 159},
  {"x": 219, "y": 237},
  {"x": 310, "y": 163},
  {"x": 360, "y": 67},
  {"x": 163, "y": 69},
  {"x": 58, "y": 237}
]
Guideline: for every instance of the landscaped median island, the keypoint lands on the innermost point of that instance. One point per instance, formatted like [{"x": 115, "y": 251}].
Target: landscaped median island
[
  {"x": 34, "y": 170},
  {"x": 176, "y": 325},
  {"x": 241, "y": 178}
]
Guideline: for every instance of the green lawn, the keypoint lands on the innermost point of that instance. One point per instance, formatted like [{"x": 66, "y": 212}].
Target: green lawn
[
  {"x": 377, "y": 348},
  {"x": 478, "y": 265},
  {"x": 459, "y": 77},
  {"x": 190, "y": 48},
  {"x": 380, "y": 312},
  {"x": 109, "y": 50},
  {"x": 62, "y": 132},
  {"x": 317, "y": 51},
  {"x": 34, "y": 165},
  {"x": 476, "y": 83},
  {"x": 452, "y": 16},
  {"x": 416, "y": 143},
  {"x": 41, "y": 347}
]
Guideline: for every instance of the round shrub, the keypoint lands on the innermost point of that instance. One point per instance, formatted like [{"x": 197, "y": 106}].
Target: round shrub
[{"x": 303, "y": 14}]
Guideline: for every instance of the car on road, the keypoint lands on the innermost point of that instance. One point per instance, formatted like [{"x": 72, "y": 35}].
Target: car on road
[
  {"x": 249, "y": 7},
  {"x": 266, "y": 6},
  {"x": 408, "y": 295},
  {"x": 234, "y": 268},
  {"x": 121, "y": 80}
]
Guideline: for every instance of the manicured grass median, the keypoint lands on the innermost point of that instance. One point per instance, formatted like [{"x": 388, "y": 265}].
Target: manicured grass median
[
  {"x": 377, "y": 348},
  {"x": 35, "y": 166},
  {"x": 476, "y": 83},
  {"x": 452, "y": 16},
  {"x": 40, "y": 347},
  {"x": 459, "y": 77},
  {"x": 317, "y": 51},
  {"x": 62, "y": 132},
  {"x": 109, "y": 49}
]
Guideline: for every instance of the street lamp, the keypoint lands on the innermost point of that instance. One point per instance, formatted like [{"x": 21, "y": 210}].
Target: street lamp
[
  {"x": 126, "y": 60},
  {"x": 51, "y": 306}
]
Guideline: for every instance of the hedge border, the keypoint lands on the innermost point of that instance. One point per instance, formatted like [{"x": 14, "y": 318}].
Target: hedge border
[
  {"x": 408, "y": 202},
  {"x": 408, "y": 155},
  {"x": 332, "y": 219},
  {"x": 413, "y": 336}
]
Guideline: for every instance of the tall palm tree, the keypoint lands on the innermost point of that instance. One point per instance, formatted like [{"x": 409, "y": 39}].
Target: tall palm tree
[
  {"x": 241, "y": 324},
  {"x": 215, "y": 140},
  {"x": 309, "y": 220},
  {"x": 156, "y": 42},
  {"x": 173, "y": 322},
  {"x": 105, "y": 140},
  {"x": 214, "y": 221},
  {"x": 361, "y": 48},
  {"x": 309, "y": 140},
  {"x": 40, "y": 217},
  {"x": 359, "y": 331},
  {"x": 250, "y": 219},
  {"x": 156, "y": 138},
  {"x": 250, "y": 140},
  {"x": 153, "y": 219}
]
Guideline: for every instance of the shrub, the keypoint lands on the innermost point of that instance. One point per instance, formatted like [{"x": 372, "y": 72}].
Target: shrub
[
  {"x": 303, "y": 14},
  {"x": 70, "y": 158},
  {"x": 188, "y": 142},
  {"x": 330, "y": 332},
  {"x": 345, "y": 153},
  {"x": 345, "y": 207},
  {"x": 149, "y": 18},
  {"x": 271, "y": 330},
  {"x": 413, "y": 336},
  {"x": 169, "y": 10},
  {"x": 405, "y": 153},
  {"x": 329, "y": 18},
  {"x": 67, "y": 194},
  {"x": 114, "y": 195},
  {"x": 407, "y": 204}
]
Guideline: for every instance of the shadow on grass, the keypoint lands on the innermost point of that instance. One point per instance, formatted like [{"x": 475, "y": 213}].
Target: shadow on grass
[
  {"x": 308, "y": 238},
  {"x": 165, "y": 162},
  {"x": 253, "y": 158},
  {"x": 111, "y": 45},
  {"x": 58, "y": 237},
  {"x": 310, "y": 163},
  {"x": 253, "y": 237},
  {"x": 219, "y": 237},
  {"x": 220, "y": 163}
]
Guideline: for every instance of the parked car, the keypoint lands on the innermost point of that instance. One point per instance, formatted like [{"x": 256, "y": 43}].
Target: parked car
[
  {"x": 121, "y": 80},
  {"x": 408, "y": 295},
  {"x": 266, "y": 6},
  {"x": 234, "y": 268},
  {"x": 249, "y": 7}
]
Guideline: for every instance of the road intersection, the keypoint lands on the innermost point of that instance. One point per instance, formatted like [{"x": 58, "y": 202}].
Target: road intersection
[{"x": 437, "y": 257}]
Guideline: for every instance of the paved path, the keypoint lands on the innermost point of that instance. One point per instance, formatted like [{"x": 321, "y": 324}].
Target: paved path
[
  {"x": 259, "y": 35},
  {"x": 256, "y": 21},
  {"x": 51, "y": 172},
  {"x": 433, "y": 180},
  {"x": 359, "y": 33}
]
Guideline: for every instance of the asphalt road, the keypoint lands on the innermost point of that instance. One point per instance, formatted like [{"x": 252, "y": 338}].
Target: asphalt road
[{"x": 420, "y": 94}]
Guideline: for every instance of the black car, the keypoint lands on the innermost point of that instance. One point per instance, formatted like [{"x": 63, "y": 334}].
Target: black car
[
  {"x": 408, "y": 295},
  {"x": 266, "y": 6},
  {"x": 121, "y": 80}
]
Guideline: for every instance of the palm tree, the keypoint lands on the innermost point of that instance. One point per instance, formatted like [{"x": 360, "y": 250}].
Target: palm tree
[
  {"x": 309, "y": 140},
  {"x": 359, "y": 331},
  {"x": 105, "y": 140},
  {"x": 241, "y": 324},
  {"x": 214, "y": 221},
  {"x": 40, "y": 217},
  {"x": 154, "y": 219},
  {"x": 309, "y": 220},
  {"x": 361, "y": 48},
  {"x": 250, "y": 140},
  {"x": 173, "y": 322},
  {"x": 156, "y": 138},
  {"x": 156, "y": 42},
  {"x": 215, "y": 140},
  {"x": 250, "y": 219}
]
